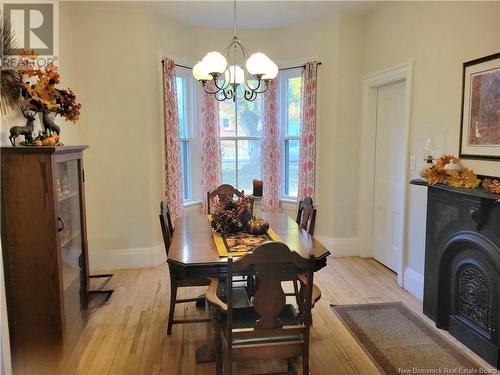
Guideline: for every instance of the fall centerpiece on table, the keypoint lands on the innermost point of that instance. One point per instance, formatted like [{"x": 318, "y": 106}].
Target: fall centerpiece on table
[
  {"x": 231, "y": 217},
  {"x": 235, "y": 230},
  {"x": 257, "y": 226},
  {"x": 236, "y": 216},
  {"x": 39, "y": 93}
]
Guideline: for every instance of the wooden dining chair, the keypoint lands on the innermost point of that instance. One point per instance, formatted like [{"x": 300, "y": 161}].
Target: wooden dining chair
[
  {"x": 167, "y": 229},
  {"x": 306, "y": 215},
  {"x": 175, "y": 282},
  {"x": 270, "y": 328},
  {"x": 306, "y": 219},
  {"x": 224, "y": 193}
]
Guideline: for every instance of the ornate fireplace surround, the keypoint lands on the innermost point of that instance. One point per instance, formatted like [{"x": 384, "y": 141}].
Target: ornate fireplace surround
[{"x": 462, "y": 267}]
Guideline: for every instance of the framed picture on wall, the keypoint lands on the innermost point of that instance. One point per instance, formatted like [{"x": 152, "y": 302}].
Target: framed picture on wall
[{"x": 480, "y": 126}]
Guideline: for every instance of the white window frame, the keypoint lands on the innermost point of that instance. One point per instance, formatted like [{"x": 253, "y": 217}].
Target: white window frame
[
  {"x": 283, "y": 120},
  {"x": 237, "y": 138},
  {"x": 191, "y": 139}
]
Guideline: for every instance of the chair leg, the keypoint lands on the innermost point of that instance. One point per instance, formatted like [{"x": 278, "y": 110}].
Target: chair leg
[
  {"x": 296, "y": 291},
  {"x": 173, "y": 298},
  {"x": 305, "y": 363},
  {"x": 219, "y": 359},
  {"x": 228, "y": 364},
  {"x": 219, "y": 363}
]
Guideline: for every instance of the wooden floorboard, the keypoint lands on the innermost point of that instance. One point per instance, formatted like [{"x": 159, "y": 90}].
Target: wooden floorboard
[{"x": 127, "y": 335}]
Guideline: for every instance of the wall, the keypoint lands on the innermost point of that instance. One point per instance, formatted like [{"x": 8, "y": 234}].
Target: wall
[
  {"x": 439, "y": 36},
  {"x": 115, "y": 68},
  {"x": 110, "y": 56}
]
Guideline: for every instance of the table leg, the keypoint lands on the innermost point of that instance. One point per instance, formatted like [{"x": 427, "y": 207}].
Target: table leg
[{"x": 206, "y": 353}]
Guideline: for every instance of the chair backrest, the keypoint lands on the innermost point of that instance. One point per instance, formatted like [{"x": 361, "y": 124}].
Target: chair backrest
[
  {"x": 166, "y": 211},
  {"x": 166, "y": 225},
  {"x": 306, "y": 215},
  {"x": 224, "y": 193},
  {"x": 271, "y": 263}
]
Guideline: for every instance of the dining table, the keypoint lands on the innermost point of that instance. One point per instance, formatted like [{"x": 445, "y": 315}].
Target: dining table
[{"x": 193, "y": 253}]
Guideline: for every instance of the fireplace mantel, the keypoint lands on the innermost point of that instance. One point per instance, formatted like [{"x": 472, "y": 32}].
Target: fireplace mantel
[
  {"x": 462, "y": 266},
  {"x": 479, "y": 193}
]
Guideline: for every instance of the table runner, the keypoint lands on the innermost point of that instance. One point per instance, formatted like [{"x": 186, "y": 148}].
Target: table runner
[{"x": 240, "y": 243}]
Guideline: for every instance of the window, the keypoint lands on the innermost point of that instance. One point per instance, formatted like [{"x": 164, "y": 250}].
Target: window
[
  {"x": 241, "y": 138},
  {"x": 290, "y": 104},
  {"x": 184, "y": 89}
]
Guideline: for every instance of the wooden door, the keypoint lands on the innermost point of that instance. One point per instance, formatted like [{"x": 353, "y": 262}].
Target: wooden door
[{"x": 388, "y": 190}]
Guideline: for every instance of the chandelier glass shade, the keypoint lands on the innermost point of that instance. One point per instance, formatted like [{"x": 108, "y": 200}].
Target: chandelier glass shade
[{"x": 234, "y": 68}]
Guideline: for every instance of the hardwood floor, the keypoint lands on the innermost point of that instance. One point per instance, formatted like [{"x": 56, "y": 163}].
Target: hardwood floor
[{"x": 128, "y": 334}]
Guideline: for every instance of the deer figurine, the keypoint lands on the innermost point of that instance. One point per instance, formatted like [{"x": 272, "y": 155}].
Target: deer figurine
[
  {"x": 49, "y": 125},
  {"x": 26, "y": 130}
]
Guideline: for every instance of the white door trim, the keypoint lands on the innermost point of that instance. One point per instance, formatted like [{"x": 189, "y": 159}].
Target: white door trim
[{"x": 371, "y": 83}]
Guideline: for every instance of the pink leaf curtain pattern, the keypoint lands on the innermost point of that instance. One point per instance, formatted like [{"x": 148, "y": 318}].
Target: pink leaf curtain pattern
[
  {"x": 307, "y": 152},
  {"x": 210, "y": 145},
  {"x": 271, "y": 155},
  {"x": 173, "y": 173}
]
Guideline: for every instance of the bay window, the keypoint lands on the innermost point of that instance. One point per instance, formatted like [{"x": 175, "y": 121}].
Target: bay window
[
  {"x": 240, "y": 140},
  {"x": 185, "y": 103},
  {"x": 241, "y": 134}
]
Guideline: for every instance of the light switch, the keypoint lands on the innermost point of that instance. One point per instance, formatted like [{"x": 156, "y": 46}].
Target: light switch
[{"x": 413, "y": 163}]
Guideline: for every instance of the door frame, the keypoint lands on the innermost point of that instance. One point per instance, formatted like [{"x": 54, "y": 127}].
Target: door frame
[{"x": 371, "y": 83}]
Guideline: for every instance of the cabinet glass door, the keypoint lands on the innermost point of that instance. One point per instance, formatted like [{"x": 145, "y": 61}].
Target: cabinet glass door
[{"x": 69, "y": 226}]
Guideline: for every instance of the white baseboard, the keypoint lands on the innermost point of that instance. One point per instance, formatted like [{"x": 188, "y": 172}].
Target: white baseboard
[
  {"x": 127, "y": 258},
  {"x": 340, "y": 247},
  {"x": 414, "y": 283}
]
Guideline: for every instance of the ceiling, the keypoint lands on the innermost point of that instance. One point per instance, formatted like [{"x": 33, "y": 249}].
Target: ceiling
[{"x": 257, "y": 14}]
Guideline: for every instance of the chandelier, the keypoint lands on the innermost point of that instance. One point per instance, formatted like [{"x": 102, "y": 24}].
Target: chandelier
[{"x": 226, "y": 77}]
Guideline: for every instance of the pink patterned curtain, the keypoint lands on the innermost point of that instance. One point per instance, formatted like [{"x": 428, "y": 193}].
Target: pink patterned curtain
[
  {"x": 271, "y": 157},
  {"x": 173, "y": 173},
  {"x": 210, "y": 145},
  {"x": 307, "y": 153}
]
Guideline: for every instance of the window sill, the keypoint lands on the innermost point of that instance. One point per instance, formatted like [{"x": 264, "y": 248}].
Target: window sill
[
  {"x": 288, "y": 204},
  {"x": 191, "y": 203},
  {"x": 192, "y": 207}
]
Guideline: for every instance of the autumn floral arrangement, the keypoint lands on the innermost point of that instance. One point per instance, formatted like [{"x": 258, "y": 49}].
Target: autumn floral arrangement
[
  {"x": 448, "y": 171},
  {"x": 231, "y": 217},
  {"x": 39, "y": 86},
  {"x": 491, "y": 186},
  {"x": 39, "y": 93}
]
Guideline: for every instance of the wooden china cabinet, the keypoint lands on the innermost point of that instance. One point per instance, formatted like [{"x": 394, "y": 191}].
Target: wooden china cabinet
[{"x": 44, "y": 246}]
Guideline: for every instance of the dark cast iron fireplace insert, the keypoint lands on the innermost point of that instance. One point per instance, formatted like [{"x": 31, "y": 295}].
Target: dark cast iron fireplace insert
[{"x": 462, "y": 266}]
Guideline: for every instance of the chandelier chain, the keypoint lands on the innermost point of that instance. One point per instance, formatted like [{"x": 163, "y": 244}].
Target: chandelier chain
[
  {"x": 227, "y": 75},
  {"x": 234, "y": 17}
]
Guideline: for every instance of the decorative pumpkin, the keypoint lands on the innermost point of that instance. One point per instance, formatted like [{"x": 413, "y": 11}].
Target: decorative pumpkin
[
  {"x": 454, "y": 166},
  {"x": 257, "y": 226}
]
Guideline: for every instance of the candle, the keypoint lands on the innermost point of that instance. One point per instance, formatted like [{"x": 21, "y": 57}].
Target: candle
[{"x": 257, "y": 188}]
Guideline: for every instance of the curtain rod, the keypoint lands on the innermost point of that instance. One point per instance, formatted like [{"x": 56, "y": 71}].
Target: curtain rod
[
  {"x": 290, "y": 67},
  {"x": 298, "y": 66},
  {"x": 178, "y": 65}
]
